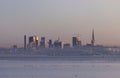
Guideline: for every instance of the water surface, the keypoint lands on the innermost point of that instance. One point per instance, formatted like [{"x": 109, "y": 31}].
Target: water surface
[{"x": 49, "y": 68}]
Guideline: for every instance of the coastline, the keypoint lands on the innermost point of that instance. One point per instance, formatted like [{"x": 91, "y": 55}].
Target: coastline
[{"x": 110, "y": 58}]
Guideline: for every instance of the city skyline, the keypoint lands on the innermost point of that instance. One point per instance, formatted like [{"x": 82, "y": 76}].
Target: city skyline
[{"x": 60, "y": 18}]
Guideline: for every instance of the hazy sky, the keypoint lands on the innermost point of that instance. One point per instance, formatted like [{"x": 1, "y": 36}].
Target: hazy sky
[{"x": 60, "y": 18}]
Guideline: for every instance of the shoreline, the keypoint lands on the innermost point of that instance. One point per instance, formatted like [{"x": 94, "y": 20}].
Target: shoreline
[{"x": 110, "y": 58}]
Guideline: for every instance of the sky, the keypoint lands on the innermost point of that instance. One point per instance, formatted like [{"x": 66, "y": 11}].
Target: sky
[{"x": 60, "y": 18}]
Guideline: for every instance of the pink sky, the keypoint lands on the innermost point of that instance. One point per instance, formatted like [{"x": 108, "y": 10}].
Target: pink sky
[{"x": 60, "y": 18}]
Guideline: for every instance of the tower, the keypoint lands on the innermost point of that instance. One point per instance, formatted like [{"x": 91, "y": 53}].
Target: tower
[
  {"x": 43, "y": 42},
  {"x": 93, "y": 38},
  {"x": 25, "y": 42},
  {"x": 50, "y": 43},
  {"x": 76, "y": 41},
  {"x": 33, "y": 41},
  {"x": 36, "y": 41}
]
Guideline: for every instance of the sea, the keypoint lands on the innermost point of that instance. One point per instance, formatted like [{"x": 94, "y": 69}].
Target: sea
[{"x": 62, "y": 67}]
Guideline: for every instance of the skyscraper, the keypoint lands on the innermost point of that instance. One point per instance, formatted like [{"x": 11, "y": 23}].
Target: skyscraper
[
  {"x": 42, "y": 42},
  {"x": 58, "y": 43},
  {"x": 76, "y": 42},
  {"x": 93, "y": 38},
  {"x": 36, "y": 41},
  {"x": 33, "y": 41},
  {"x": 25, "y": 46},
  {"x": 50, "y": 43}
]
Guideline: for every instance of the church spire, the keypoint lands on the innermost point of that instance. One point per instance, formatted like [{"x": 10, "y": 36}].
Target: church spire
[{"x": 93, "y": 38}]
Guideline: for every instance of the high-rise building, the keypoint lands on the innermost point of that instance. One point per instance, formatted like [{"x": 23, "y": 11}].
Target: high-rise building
[
  {"x": 93, "y": 38},
  {"x": 76, "y": 42},
  {"x": 33, "y": 41},
  {"x": 58, "y": 44},
  {"x": 50, "y": 44},
  {"x": 42, "y": 42},
  {"x": 36, "y": 41},
  {"x": 25, "y": 45},
  {"x": 67, "y": 45}
]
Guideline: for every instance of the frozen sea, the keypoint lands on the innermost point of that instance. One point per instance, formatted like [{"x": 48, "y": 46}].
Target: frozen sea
[{"x": 59, "y": 68}]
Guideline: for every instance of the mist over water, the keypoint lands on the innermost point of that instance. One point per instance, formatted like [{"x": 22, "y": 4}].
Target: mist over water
[{"x": 59, "y": 69}]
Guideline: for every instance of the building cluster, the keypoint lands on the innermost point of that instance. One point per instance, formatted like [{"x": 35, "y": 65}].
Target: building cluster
[{"x": 35, "y": 42}]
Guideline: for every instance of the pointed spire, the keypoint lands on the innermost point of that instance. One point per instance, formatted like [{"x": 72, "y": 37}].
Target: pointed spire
[{"x": 93, "y": 38}]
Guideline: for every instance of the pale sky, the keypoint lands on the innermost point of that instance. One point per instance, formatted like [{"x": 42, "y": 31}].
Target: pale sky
[{"x": 60, "y": 18}]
